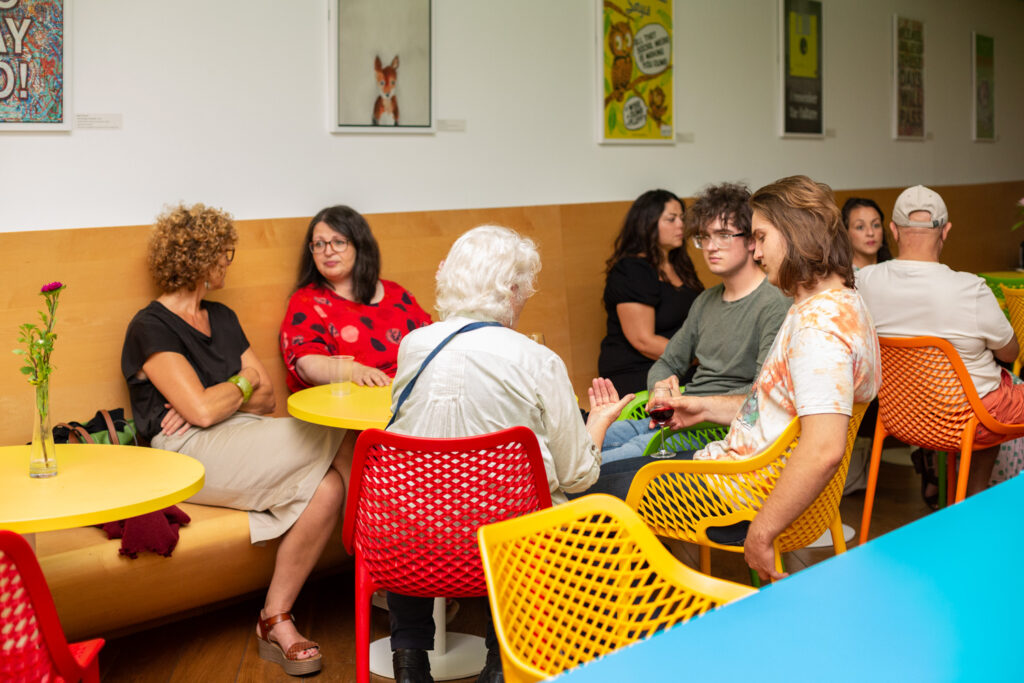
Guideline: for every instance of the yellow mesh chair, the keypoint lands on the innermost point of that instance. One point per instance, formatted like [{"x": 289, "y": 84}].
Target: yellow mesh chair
[
  {"x": 579, "y": 580},
  {"x": 1014, "y": 297},
  {"x": 682, "y": 498}
]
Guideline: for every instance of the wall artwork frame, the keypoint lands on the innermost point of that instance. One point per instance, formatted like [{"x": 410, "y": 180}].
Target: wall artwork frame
[
  {"x": 635, "y": 74},
  {"x": 35, "y": 65},
  {"x": 983, "y": 88},
  {"x": 908, "y": 42},
  {"x": 802, "y": 77},
  {"x": 381, "y": 66}
]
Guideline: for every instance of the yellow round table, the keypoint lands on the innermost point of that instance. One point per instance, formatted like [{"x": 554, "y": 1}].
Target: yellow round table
[
  {"x": 95, "y": 484},
  {"x": 363, "y": 408}
]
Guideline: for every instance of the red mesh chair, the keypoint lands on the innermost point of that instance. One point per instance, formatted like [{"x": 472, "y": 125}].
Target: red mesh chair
[
  {"x": 415, "y": 505},
  {"x": 32, "y": 643},
  {"x": 927, "y": 399}
]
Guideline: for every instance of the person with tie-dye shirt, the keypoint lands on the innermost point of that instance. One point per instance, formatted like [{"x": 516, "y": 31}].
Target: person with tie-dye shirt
[{"x": 823, "y": 361}]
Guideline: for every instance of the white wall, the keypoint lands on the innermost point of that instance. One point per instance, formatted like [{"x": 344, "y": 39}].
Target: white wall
[{"x": 224, "y": 101}]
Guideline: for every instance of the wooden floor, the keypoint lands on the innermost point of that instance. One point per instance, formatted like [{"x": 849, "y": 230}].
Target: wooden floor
[{"x": 221, "y": 646}]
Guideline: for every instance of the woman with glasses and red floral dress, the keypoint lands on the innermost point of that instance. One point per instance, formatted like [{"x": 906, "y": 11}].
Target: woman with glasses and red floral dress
[{"x": 341, "y": 307}]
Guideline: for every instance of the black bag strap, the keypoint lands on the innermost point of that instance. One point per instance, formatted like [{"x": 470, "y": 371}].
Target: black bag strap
[{"x": 408, "y": 387}]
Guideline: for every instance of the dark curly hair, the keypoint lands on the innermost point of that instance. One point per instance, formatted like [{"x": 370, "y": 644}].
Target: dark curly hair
[
  {"x": 351, "y": 225},
  {"x": 187, "y": 241},
  {"x": 857, "y": 202},
  {"x": 729, "y": 202},
  {"x": 639, "y": 235}
]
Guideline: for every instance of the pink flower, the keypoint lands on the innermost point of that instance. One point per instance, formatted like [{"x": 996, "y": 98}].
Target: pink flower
[{"x": 52, "y": 287}]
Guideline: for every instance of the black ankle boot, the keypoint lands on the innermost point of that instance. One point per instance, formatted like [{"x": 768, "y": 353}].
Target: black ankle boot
[
  {"x": 492, "y": 672},
  {"x": 411, "y": 666}
]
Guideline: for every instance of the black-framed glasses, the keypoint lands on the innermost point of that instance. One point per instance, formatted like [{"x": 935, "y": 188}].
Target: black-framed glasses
[
  {"x": 716, "y": 239},
  {"x": 337, "y": 244},
  {"x": 229, "y": 254}
]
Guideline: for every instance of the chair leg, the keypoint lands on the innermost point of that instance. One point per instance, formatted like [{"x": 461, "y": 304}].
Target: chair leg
[
  {"x": 755, "y": 580},
  {"x": 869, "y": 495},
  {"x": 705, "y": 559},
  {"x": 952, "y": 468},
  {"x": 965, "y": 473},
  {"x": 838, "y": 540},
  {"x": 363, "y": 592},
  {"x": 940, "y": 473}
]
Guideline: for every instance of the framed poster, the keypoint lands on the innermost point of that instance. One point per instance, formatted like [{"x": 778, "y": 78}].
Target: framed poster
[
  {"x": 634, "y": 52},
  {"x": 382, "y": 66},
  {"x": 908, "y": 78},
  {"x": 803, "y": 113},
  {"x": 35, "y": 49},
  {"x": 983, "y": 109}
]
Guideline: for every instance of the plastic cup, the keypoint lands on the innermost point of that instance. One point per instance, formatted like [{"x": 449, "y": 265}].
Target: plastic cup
[{"x": 340, "y": 368}]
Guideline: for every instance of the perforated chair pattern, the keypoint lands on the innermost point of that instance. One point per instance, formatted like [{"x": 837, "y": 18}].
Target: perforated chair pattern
[
  {"x": 580, "y": 580},
  {"x": 694, "y": 438},
  {"x": 681, "y": 498},
  {"x": 1014, "y": 297},
  {"x": 927, "y": 399},
  {"x": 415, "y": 505},
  {"x": 32, "y": 644},
  {"x": 635, "y": 409}
]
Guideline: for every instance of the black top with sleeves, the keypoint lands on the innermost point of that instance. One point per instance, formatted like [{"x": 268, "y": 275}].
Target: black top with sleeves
[
  {"x": 634, "y": 280},
  {"x": 154, "y": 329}
]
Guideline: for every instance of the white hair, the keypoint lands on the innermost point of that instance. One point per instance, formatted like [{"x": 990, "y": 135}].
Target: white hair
[{"x": 489, "y": 272}]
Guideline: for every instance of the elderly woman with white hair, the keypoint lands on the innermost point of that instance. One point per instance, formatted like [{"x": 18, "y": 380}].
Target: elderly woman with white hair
[{"x": 487, "y": 378}]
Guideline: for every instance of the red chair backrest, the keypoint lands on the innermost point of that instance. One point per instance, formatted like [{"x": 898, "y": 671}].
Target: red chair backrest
[
  {"x": 415, "y": 504},
  {"x": 31, "y": 638}
]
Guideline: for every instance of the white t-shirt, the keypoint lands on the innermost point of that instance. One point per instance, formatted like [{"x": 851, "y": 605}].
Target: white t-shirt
[
  {"x": 490, "y": 379},
  {"x": 923, "y": 298},
  {"x": 824, "y": 359}
]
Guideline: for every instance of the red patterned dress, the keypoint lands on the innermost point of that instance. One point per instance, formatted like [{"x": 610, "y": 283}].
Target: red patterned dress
[{"x": 319, "y": 322}]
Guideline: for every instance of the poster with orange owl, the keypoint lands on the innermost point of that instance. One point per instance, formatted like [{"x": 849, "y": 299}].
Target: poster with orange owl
[{"x": 635, "y": 80}]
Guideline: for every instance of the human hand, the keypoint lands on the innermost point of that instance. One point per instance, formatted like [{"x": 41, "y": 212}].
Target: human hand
[
  {"x": 173, "y": 423},
  {"x": 672, "y": 382},
  {"x": 760, "y": 556},
  {"x": 365, "y": 376},
  {"x": 686, "y": 412},
  {"x": 605, "y": 404}
]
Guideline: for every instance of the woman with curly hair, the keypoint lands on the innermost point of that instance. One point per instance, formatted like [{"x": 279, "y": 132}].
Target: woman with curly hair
[
  {"x": 340, "y": 306},
  {"x": 198, "y": 388},
  {"x": 650, "y": 287}
]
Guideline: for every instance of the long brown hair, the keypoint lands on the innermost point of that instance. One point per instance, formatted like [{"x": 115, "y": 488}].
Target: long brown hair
[
  {"x": 639, "y": 235},
  {"x": 817, "y": 244}
]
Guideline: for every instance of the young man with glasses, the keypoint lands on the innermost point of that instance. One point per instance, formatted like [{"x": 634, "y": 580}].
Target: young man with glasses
[{"x": 730, "y": 326}]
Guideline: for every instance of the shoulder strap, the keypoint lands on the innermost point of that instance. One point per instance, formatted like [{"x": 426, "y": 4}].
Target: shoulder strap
[
  {"x": 111, "y": 429},
  {"x": 75, "y": 431},
  {"x": 408, "y": 387}
]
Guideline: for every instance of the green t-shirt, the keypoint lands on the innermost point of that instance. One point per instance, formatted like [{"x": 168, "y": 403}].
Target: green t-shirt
[{"x": 729, "y": 340}]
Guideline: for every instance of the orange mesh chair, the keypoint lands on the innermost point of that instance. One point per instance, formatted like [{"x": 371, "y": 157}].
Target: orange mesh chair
[
  {"x": 582, "y": 579},
  {"x": 927, "y": 399},
  {"x": 32, "y": 643},
  {"x": 414, "y": 507},
  {"x": 1014, "y": 297},
  {"x": 681, "y": 499}
]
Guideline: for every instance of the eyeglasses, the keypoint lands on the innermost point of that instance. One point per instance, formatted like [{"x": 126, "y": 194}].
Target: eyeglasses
[
  {"x": 337, "y": 244},
  {"x": 229, "y": 254},
  {"x": 716, "y": 239}
]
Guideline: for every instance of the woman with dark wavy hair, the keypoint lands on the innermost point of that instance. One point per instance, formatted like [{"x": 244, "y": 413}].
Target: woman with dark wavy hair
[
  {"x": 341, "y": 306},
  {"x": 650, "y": 286},
  {"x": 865, "y": 224}
]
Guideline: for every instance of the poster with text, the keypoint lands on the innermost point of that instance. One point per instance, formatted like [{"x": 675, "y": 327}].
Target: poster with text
[
  {"x": 802, "y": 109},
  {"x": 635, "y": 54},
  {"x": 908, "y": 76},
  {"x": 33, "y": 65},
  {"x": 984, "y": 87}
]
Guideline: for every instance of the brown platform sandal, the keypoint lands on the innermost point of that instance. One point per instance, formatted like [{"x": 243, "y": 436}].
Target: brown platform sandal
[{"x": 272, "y": 652}]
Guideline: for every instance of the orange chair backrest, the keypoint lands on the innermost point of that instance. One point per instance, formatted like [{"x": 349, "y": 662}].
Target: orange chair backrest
[
  {"x": 927, "y": 396},
  {"x": 415, "y": 505},
  {"x": 1014, "y": 297}
]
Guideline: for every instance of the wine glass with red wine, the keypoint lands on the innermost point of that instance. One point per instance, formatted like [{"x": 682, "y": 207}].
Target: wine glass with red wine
[{"x": 661, "y": 412}]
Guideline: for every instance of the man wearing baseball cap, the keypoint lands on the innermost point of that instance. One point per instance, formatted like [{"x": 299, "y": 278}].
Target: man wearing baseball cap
[{"x": 916, "y": 295}]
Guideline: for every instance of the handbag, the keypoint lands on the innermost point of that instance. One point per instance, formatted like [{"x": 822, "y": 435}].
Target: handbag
[{"x": 106, "y": 427}]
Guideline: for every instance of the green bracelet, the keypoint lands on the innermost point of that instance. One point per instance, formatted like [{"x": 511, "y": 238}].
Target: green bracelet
[{"x": 244, "y": 385}]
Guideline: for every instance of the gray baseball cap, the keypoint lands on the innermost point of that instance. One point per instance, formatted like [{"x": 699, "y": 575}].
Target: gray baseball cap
[{"x": 920, "y": 198}]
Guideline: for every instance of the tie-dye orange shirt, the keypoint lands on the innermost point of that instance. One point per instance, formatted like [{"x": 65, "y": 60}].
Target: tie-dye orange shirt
[{"x": 824, "y": 359}]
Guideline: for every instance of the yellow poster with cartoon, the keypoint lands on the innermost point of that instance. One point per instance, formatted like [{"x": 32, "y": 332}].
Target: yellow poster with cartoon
[{"x": 636, "y": 71}]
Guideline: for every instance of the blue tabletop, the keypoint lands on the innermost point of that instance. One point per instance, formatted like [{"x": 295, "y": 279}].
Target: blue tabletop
[{"x": 937, "y": 600}]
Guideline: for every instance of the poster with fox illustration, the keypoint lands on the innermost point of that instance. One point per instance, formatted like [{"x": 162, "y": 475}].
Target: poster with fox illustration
[{"x": 635, "y": 57}]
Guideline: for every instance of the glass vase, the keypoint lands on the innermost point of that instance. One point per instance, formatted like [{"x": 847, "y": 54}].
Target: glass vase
[{"x": 42, "y": 453}]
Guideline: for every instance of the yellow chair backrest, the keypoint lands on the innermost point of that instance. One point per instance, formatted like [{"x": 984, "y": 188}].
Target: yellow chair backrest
[
  {"x": 682, "y": 498},
  {"x": 579, "y": 580},
  {"x": 1014, "y": 297}
]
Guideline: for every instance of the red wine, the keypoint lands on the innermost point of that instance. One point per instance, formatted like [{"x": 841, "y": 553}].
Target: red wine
[{"x": 661, "y": 415}]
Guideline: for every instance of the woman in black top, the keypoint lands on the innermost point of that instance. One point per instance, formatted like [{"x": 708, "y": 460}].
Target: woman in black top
[
  {"x": 198, "y": 388},
  {"x": 650, "y": 286}
]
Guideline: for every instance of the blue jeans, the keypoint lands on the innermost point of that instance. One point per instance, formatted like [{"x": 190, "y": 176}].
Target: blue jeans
[{"x": 626, "y": 439}]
